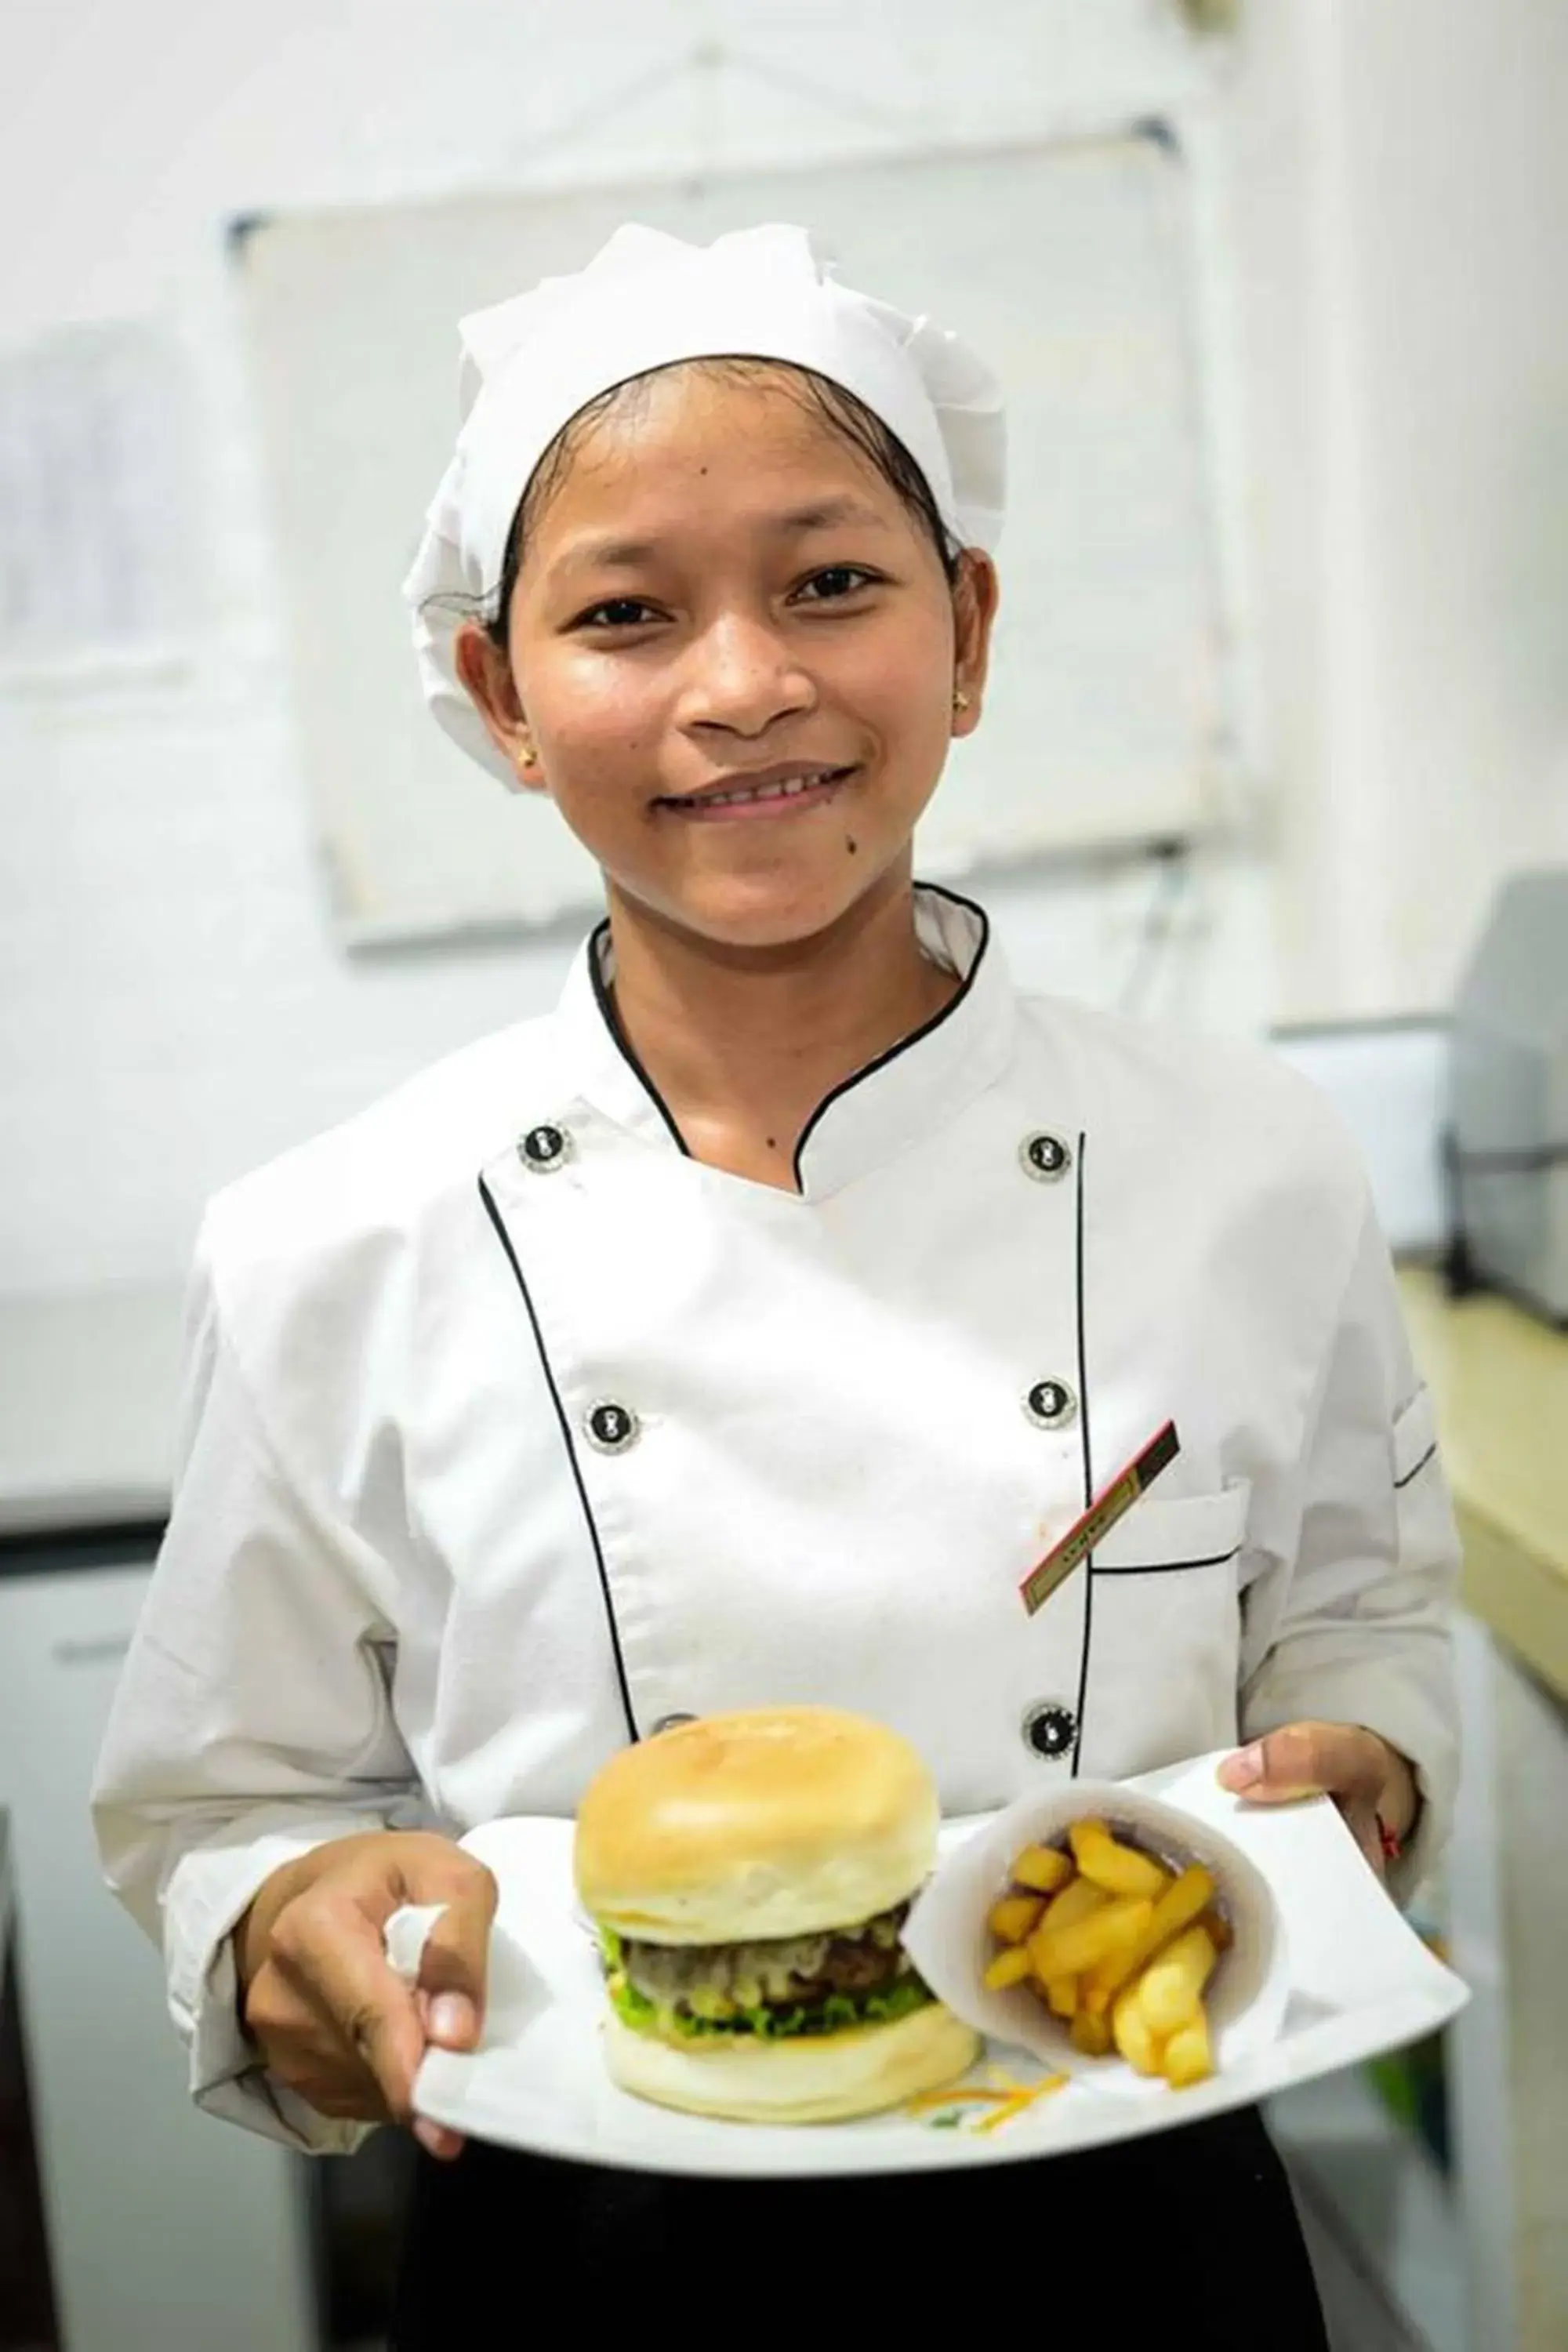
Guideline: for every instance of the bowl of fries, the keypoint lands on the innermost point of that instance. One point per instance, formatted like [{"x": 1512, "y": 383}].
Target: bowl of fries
[{"x": 1110, "y": 1934}]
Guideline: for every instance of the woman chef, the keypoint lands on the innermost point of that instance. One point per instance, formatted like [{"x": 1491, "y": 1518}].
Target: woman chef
[{"x": 745, "y": 1330}]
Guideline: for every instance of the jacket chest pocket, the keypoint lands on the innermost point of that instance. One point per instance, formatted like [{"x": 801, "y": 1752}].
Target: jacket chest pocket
[{"x": 1163, "y": 1635}]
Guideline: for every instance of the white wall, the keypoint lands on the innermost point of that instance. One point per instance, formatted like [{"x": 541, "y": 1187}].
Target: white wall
[
  {"x": 171, "y": 1007},
  {"x": 1461, "y": 305},
  {"x": 1402, "y": 239}
]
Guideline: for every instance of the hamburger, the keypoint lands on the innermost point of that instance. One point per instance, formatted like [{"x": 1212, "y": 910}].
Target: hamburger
[{"x": 749, "y": 1875}]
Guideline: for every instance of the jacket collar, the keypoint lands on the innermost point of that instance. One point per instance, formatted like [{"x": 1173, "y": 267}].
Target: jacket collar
[{"x": 916, "y": 1087}]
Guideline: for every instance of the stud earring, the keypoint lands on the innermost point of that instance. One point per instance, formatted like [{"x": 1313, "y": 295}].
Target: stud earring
[
  {"x": 526, "y": 757},
  {"x": 959, "y": 699}
]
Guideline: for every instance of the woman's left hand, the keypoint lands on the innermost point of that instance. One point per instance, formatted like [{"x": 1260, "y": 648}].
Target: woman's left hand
[{"x": 1366, "y": 1777}]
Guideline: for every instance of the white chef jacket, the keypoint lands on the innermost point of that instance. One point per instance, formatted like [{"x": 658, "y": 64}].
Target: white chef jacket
[{"x": 512, "y": 1432}]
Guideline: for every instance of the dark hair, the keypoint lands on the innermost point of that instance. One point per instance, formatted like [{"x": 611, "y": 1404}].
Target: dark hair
[{"x": 841, "y": 410}]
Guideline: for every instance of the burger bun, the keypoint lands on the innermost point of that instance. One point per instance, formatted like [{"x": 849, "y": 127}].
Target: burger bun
[{"x": 808, "y": 2079}]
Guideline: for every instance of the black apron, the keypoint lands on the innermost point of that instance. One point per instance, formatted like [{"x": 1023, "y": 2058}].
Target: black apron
[{"x": 1190, "y": 2233}]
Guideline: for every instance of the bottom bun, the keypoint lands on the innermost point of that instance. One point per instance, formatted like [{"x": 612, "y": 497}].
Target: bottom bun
[{"x": 812, "y": 2079}]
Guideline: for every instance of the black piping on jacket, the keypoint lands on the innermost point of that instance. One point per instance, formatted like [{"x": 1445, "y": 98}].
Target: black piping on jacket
[
  {"x": 622, "y": 1683},
  {"x": 1083, "y": 1423},
  {"x": 629, "y": 1053},
  {"x": 608, "y": 1013}
]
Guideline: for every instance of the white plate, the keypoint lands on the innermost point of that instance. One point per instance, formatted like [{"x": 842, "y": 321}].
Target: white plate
[{"x": 1360, "y": 1982}]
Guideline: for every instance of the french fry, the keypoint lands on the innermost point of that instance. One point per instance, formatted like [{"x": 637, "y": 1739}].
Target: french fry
[
  {"x": 1010, "y": 1967},
  {"x": 1187, "y": 2057},
  {"x": 1114, "y": 1925},
  {"x": 1062, "y": 1996},
  {"x": 1042, "y": 1868},
  {"x": 1091, "y": 2035},
  {"x": 1119, "y": 1869},
  {"x": 1175, "y": 1910},
  {"x": 1074, "y": 1900},
  {"x": 1170, "y": 1990},
  {"x": 1011, "y": 1919},
  {"x": 1130, "y": 2030},
  {"x": 1074, "y": 1903}
]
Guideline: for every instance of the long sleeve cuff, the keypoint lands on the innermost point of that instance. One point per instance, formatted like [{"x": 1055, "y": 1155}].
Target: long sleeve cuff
[{"x": 208, "y": 1892}]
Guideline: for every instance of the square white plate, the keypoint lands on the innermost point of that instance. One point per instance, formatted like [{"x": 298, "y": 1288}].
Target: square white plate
[{"x": 1360, "y": 1981}]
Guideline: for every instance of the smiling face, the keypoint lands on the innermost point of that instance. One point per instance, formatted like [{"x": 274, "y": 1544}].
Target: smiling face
[{"x": 721, "y": 583}]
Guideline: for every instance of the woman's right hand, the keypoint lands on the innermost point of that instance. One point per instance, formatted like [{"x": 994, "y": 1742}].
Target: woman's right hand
[{"x": 331, "y": 2018}]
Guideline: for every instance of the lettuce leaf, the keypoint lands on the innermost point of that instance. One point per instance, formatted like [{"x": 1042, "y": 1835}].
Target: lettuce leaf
[{"x": 838, "y": 2014}]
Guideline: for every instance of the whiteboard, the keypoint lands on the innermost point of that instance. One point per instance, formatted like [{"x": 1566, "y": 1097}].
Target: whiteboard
[{"x": 1072, "y": 264}]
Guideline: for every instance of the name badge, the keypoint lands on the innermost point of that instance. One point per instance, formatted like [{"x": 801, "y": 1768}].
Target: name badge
[{"x": 1108, "y": 1505}]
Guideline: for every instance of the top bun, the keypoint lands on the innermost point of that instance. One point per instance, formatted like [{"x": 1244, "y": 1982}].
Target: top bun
[{"x": 783, "y": 1820}]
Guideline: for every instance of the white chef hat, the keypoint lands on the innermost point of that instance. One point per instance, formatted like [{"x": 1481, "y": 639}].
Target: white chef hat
[{"x": 645, "y": 301}]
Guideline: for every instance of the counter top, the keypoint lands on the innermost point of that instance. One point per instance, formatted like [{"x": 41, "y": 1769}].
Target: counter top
[
  {"x": 88, "y": 1393},
  {"x": 1499, "y": 1379}
]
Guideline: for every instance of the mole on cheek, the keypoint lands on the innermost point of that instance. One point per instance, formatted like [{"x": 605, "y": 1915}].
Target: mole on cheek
[{"x": 850, "y": 844}]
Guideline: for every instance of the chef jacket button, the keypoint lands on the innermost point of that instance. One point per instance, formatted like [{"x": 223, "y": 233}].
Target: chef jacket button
[
  {"x": 544, "y": 1148},
  {"x": 670, "y": 1723},
  {"x": 1050, "y": 1404},
  {"x": 1046, "y": 1157},
  {"x": 612, "y": 1427},
  {"x": 1049, "y": 1730}
]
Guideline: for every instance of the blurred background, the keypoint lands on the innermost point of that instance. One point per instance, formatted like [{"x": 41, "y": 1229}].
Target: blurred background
[{"x": 1279, "y": 742}]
